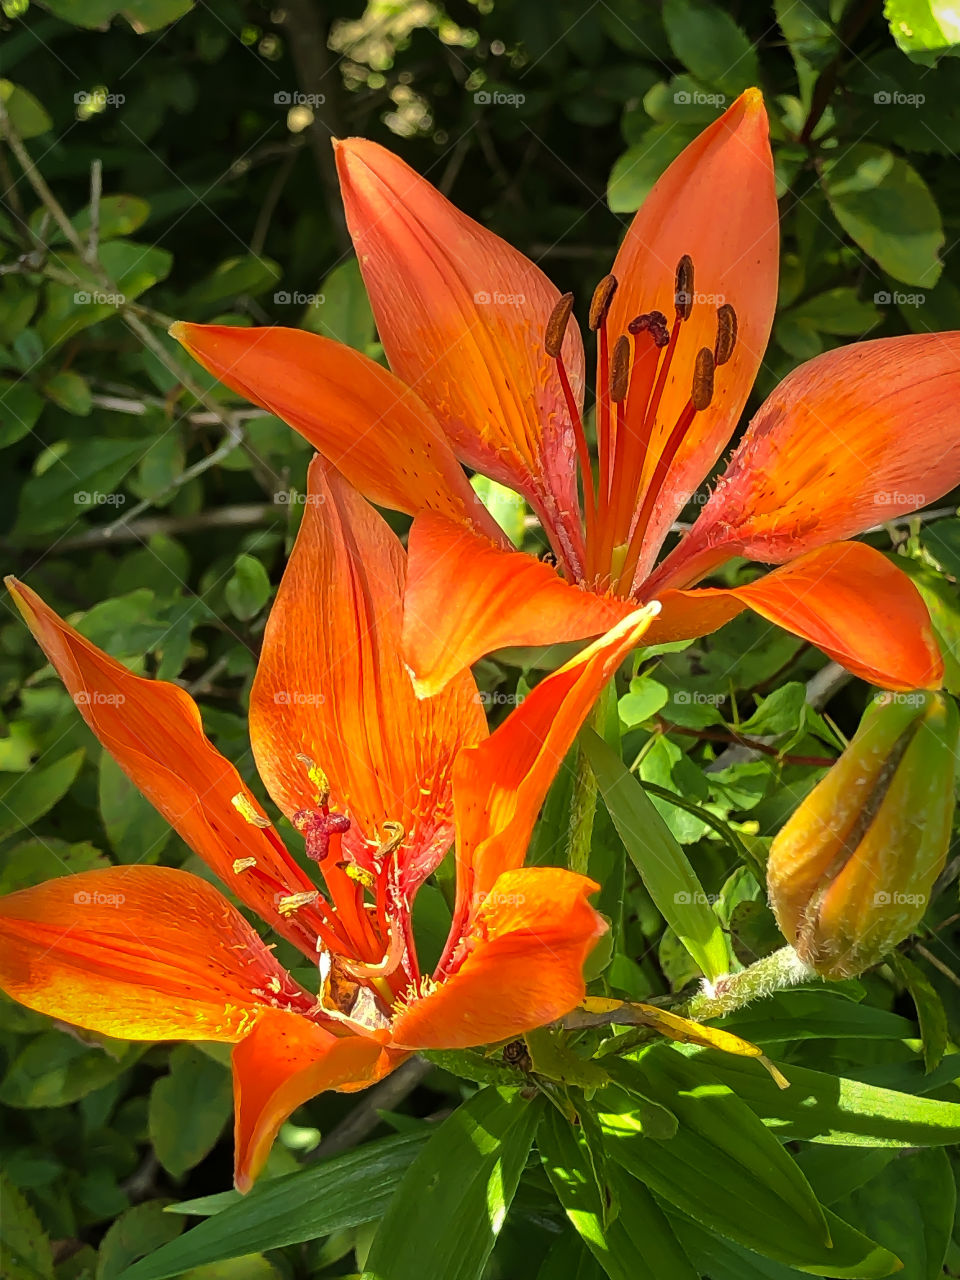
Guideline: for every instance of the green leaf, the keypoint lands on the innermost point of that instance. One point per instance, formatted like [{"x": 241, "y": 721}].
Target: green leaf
[
  {"x": 84, "y": 478},
  {"x": 248, "y": 588},
  {"x": 136, "y": 1232},
  {"x": 640, "y": 1240},
  {"x": 142, "y": 15},
  {"x": 507, "y": 508},
  {"x": 342, "y": 309},
  {"x": 930, "y": 1011},
  {"x": 710, "y": 45},
  {"x": 119, "y": 216},
  {"x": 664, "y": 867},
  {"x": 188, "y": 1109},
  {"x": 229, "y": 280},
  {"x": 26, "y": 797},
  {"x": 136, "y": 831},
  {"x": 909, "y": 1207},
  {"x": 27, "y": 115},
  {"x": 55, "y": 1069},
  {"x": 25, "y": 1252},
  {"x": 646, "y": 697},
  {"x": 455, "y": 1220},
  {"x": 924, "y": 29},
  {"x": 815, "y": 1015},
  {"x": 635, "y": 172},
  {"x": 70, "y": 392},
  {"x": 885, "y": 206},
  {"x": 34, "y": 861},
  {"x": 20, "y": 407},
  {"x": 819, "y": 1107},
  {"x": 721, "y": 1159},
  {"x": 332, "y": 1195}
]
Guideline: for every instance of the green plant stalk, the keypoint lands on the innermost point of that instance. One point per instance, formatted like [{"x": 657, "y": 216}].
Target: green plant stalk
[{"x": 781, "y": 969}]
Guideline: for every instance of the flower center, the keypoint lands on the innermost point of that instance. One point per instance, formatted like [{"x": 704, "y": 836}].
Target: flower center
[{"x": 632, "y": 461}]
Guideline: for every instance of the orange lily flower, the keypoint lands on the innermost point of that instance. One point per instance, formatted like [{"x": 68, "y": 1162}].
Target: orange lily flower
[
  {"x": 152, "y": 953},
  {"x": 488, "y": 368}
]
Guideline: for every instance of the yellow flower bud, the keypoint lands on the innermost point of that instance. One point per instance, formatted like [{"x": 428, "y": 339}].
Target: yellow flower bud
[{"x": 850, "y": 874}]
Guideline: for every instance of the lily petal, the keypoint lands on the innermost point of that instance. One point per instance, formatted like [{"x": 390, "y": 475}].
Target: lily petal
[
  {"x": 850, "y": 439},
  {"x": 153, "y": 731},
  {"x": 285, "y": 1061},
  {"x": 716, "y": 203},
  {"x": 846, "y": 598},
  {"x": 500, "y": 785},
  {"x": 466, "y": 597},
  {"x": 139, "y": 953},
  {"x": 361, "y": 417},
  {"x": 523, "y": 964},
  {"x": 462, "y": 317},
  {"x": 331, "y": 685}
]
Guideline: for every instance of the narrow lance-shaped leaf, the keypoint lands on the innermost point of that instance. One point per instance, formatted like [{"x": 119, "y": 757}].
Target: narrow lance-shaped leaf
[{"x": 665, "y": 869}]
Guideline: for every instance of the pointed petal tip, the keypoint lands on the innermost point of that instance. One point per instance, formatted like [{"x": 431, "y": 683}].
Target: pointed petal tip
[{"x": 752, "y": 100}]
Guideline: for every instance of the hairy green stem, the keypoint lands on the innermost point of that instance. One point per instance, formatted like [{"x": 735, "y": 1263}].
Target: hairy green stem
[{"x": 783, "y": 968}]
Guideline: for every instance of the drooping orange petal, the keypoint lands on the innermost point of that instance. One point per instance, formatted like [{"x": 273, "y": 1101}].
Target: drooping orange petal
[
  {"x": 139, "y": 953},
  {"x": 846, "y": 598},
  {"x": 848, "y": 440},
  {"x": 462, "y": 317},
  {"x": 332, "y": 685},
  {"x": 523, "y": 967},
  {"x": 500, "y": 785},
  {"x": 153, "y": 730},
  {"x": 465, "y": 597},
  {"x": 285, "y": 1061},
  {"x": 361, "y": 417},
  {"x": 716, "y": 203}
]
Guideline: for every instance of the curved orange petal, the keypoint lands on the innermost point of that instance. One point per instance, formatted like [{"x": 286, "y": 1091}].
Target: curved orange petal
[
  {"x": 499, "y": 786},
  {"x": 285, "y": 1061},
  {"x": 523, "y": 964},
  {"x": 850, "y": 439},
  {"x": 139, "y": 953},
  {"x": 332, "y": 685},
  {"x": 846, "y": 598},
  {"x": 466, "y": 597},
  {"x": 153, "y": 730},
  {"x": 361, "y": 417},
  {"x": 462, "y": 317},
  {"x": 717, "y": 203}
]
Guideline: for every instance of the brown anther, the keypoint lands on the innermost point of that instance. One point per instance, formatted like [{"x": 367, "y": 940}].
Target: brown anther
[
  {"x": 683, "y": 287},
  {"x": 702, "y": 392},
  {"x": 557, "y": 326},
  {"x": 600, "y": 302},
  {"x": 620, "y": 369},
  {"x": 654, "y": 323},
  {"x": 726, "y": 334}
]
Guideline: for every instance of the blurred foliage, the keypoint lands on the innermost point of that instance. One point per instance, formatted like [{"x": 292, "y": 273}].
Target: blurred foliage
[{"x": 189, "y": 150}]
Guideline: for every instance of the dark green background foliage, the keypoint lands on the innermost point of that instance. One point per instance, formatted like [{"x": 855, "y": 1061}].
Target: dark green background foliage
[{"x": 139, "y": 498}]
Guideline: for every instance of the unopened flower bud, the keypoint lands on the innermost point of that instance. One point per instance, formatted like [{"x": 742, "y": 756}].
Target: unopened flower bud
[{"x": 850, "y": 874}]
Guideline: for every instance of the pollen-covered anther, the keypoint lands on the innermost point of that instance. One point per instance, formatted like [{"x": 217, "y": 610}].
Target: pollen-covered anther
[
  {"x": 317, "y": 777},
  {"x": 683, "y": 287},
  {"x": 600, "y": 302},
  {"x": 654, "y": 323},
  {"x": 245, "y": 807},
  {"x": 557, "y": 326},
  {"x": 294, "y": 901},
  {"x": 726, "y": 334},
  {"x": 620, "y": 369},
  {"x": 359, "y": 874},
  {"x": 702, "y": 392},
  {"x": 243, "y": 864}
]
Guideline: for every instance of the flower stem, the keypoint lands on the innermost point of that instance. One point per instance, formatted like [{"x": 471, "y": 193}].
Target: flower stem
[
  {"x": 583, "y": 804},
  {"x": 782, "y": 968}
]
